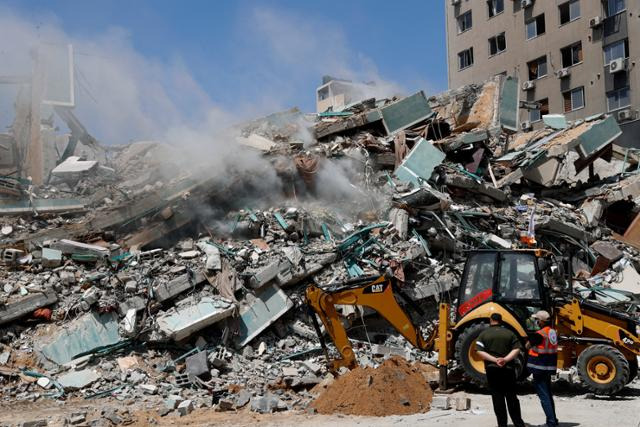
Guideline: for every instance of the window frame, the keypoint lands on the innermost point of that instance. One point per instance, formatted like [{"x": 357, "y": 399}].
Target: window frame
[
  {"x": 571, "y": 46},
  {"x": 537, "y": 60},
  {"x": 534, "y": 20},
  {"x": 489, "y": 8},
  {"x": 570, "y": 92},
  {"x": 569, "y": 3},
  {"x": 606, "y": 9},
  {"x": 539, "y": 110},
  {"x": 624, "y": 46},
  {"x": 619, "y": 107},
  {"x": 462, "y": 52},
  {"x": 496, "y": 37},
  {"x": 461, "y": 17}
]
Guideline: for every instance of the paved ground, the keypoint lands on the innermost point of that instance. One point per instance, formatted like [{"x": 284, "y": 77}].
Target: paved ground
[{"x": 574, "y": 408}]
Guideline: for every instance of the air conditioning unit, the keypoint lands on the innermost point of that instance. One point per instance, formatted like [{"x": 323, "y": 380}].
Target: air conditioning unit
[
  {"x": 528, "y": 85},
  {"x": 617, "y": 65},
  {"x": 526, "y": 3},
  {"x": 562, "y": 73},
  {"x": 595, "y": 22},
  {"x": 526, "y": 125},
  {"x": 625, "y": 115}
]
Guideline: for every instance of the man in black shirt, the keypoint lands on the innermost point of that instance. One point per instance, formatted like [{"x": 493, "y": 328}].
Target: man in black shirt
[{"x": 499, "y": 347}]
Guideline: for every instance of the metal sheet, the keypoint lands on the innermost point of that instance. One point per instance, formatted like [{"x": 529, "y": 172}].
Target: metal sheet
[
  {"x": 509, "y": 103},
  {"x": 420, "y": 162},
  {"x": 406, "y": 112},
  {"x": 598, "y": 135}
]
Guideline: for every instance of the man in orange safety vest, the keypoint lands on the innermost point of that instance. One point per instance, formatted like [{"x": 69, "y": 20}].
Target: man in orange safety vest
[{"x": 542, "y": 362}]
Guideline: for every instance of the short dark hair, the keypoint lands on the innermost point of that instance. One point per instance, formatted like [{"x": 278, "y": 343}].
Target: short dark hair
[{"x": 496, "y": 317}]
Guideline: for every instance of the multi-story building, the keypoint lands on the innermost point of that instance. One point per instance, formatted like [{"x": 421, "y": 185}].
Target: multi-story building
[{"x": 575, "y": 57}]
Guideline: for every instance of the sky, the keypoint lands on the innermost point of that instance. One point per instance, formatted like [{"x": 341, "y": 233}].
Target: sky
[{"x": 147, "y": 68}]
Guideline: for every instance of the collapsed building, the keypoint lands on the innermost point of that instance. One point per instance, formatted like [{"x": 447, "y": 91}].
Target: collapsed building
[{"x": 127, "y": 274}]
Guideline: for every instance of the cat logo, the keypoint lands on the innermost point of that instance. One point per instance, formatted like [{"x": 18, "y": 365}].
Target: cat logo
[{"x": 376, "y": 288}]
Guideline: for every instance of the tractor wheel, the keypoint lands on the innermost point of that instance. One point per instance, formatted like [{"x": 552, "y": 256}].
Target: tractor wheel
[
  {"x": 603, "y": 369},
  {"x": 466, "y": 354},
  {"x": 633, "y": 369}
]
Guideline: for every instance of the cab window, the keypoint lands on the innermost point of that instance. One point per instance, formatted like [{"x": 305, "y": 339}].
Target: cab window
[
  {"x": 478, "y": 281},
  {"x": 518, "y": 279}
]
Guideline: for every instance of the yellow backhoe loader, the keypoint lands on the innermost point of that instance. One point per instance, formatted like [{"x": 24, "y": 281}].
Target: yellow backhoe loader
[{"x": 602, "y": 343}]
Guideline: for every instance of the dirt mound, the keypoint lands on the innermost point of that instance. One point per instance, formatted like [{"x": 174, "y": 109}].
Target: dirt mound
[{"x": 395, "y": 387}]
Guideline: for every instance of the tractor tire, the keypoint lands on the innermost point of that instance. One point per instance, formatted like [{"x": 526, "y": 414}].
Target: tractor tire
[
  {"x": 603, "y": 369},
  {"x": 633, "y": 369},
  {"x": 472, "y": 365}
]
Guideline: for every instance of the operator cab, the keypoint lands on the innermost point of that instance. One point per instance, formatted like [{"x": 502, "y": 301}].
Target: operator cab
[{"x": 510, "y": 277}]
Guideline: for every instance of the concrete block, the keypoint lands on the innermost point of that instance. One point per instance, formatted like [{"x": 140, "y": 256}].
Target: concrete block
[
  {"x": 185, "y": 407},
  {"x": 172, "y": 401},
  {"x": 34, "y": 423},
  {"x": 148, "y": 388},
  {"x": 189, "y": 254},
  {"x": 242, "y": 398},
  {"x": 51, "y": 258},
  {"x": 385, "y": 350},
  {"x": 463, "y": 404},
  {"x": 289, "y": 371},
  {"x": 44, "y": 382},
  {"x": 4, "y": 357},
  {"x": 180, "y": 323},
  {"x": 136, "y": 303},
  {"x": 440, "y": 402},
  {"x": 313, "y": 367},
  {"x": 197, "y": 364},
  {"x": 76, "y": 380},
  {"x": 73, "y": 166}
]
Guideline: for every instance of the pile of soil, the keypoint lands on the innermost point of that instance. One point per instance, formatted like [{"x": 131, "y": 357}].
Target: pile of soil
[{"x": 394, "y": 388}]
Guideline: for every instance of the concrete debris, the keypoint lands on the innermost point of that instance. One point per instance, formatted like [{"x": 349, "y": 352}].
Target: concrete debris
[{"x": 136, "y": 275}]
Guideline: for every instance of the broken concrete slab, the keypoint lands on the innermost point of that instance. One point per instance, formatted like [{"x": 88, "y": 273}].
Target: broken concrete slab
[
  {"x": 74, "y": 166},
  {"x": 555, "y": 121},
  {"x": 26, "y": 305},
  {"x": 76, "y": 380},
  {"x": 269, "y": 304},
  {"x": 214, "y": 262},
  {"x": 70, "y": 247},
  {"x": 476, "y": 187},
  {"x": 81, "y": 335},
  {"x": 178, "y": 324},
  {"x": 169, "y": 290}
]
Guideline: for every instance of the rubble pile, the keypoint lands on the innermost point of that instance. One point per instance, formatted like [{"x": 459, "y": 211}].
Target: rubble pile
[
  {"x": 132, "y": 274},
  {"x": 393, "y": 388}
]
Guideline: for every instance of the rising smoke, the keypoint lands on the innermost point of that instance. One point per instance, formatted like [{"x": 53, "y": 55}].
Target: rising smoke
[{"x": 123, "y": 95}]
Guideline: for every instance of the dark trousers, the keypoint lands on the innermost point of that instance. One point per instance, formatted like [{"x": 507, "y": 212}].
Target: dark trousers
[
  {"x": 502, "y": 384},
  {"x": 542, "y": 384}
]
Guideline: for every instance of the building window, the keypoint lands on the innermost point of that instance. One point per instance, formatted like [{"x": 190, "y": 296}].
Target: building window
[
  {"x": 616, "y": 50},
  {"x": 537, "y": 68},
  {"x": 464, "y": 22},
  {"x": 618, "y": 98},
  {"x": 495, "y": 7},
  {"x": 571, "y": 55},
  {"x": 497, "y": 44},
  {"x": 573, "y": 99},
  {"x": 569, "y": 11},
  {"x": 465, "y": 58},
  {"x": 536, "y": 114},
  {"x": 535, "y": 27},
  {"x": 613, "y": 7}
]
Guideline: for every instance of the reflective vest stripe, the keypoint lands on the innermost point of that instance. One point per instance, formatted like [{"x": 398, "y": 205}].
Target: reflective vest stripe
[
  {"x": 544, "y": 356},
  {"x": 541, "y": 367}
]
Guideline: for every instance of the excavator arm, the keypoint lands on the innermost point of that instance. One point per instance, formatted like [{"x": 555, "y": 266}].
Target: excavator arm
[{"x": 378, "y": 295}]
